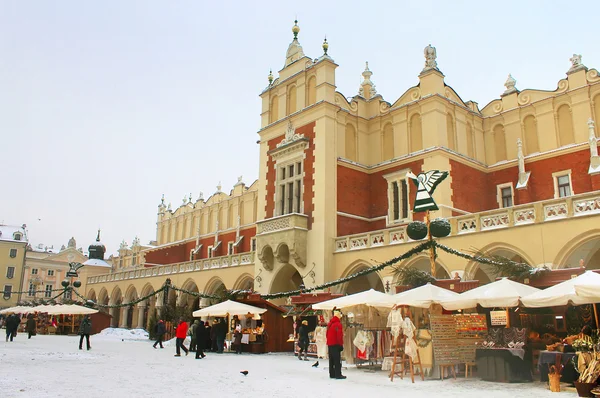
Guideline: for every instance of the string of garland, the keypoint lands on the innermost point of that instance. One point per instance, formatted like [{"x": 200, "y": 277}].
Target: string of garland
[
  {"x": 501, "y": 264},
  {"x": 129, "y": 304},
  {"x": 32, "y": 291},
  {"x": 423, "y": 246},
  {"x": 195, "y": 294}
]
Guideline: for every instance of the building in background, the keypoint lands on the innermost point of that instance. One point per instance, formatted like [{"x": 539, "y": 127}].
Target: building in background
[
  {"x": 333, "y": 197},
  {"x": 45, "y": 268},
  {"x": 13, "y": 245}
]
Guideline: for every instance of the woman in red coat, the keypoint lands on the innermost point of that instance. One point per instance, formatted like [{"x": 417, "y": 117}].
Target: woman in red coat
[
  {"x": 180, "y": 334},
  {"x": 335, "y": 346}
]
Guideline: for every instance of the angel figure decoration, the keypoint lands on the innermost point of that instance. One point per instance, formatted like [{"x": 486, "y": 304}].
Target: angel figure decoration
[{"x": 426, "y": 184}]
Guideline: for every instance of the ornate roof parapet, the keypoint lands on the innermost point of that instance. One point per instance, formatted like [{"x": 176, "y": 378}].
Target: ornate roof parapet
[
  {"x": 123, "y": 245},
  {"x": 239, "y": 181},
  {"x": 294, "y": 51},
  {"x": 523, "y": 175},
  {"x": 576, "y": 64},
  {"x": 593, "y": 143},
  {"x": 200, "y": 197},
  {"x": 367, "y": 88},
  {"x": 290, "y": 135},
  {"x": 219, "y": 188},
  {"x": 510, "y": 85},
  {"x": 161, "y": 206}
]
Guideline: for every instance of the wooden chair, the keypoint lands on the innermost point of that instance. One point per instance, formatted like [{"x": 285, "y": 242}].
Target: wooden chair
[{"x": 469, "y": 365}]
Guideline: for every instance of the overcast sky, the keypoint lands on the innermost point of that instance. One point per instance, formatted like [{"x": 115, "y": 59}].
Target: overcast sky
[{"x": 106, "y": 105}]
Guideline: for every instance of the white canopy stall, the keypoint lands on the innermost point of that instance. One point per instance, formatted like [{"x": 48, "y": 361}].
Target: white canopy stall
[
  {"x": 369, "y": 297},
  {"x": 583, "y": 289},
  {"x": 228, "y": 307},
  {"x": 503, "y": 293},
  {"x": 421, "y": 297}
]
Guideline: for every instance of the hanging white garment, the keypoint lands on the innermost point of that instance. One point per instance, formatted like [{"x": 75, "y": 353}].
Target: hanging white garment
[
  {"x": 321, "y": 341},
  {"x": 394, "y": 322},
  {"x": 409, "y": 329}
]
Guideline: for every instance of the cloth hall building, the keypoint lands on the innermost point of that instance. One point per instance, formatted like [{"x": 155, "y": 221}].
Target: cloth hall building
[{"x": 332, "y": 197}]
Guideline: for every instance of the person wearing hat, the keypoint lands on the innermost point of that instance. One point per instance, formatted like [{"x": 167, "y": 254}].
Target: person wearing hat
[
  {"x": 335, "y": 345},
  {"x": 160, "y": 331},
  {"x": 303, "y": 340}
]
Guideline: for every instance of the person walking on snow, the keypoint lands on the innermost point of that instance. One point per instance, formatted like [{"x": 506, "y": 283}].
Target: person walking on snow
[
  {"x": 200, "y": 336},
  {"x": 335, "y": 345},
  {"x": 160, "y": 331},
  {"x": 303, "y": 340},
  {"x": 30, "y": 326},
  {"x": 192, "y": 334},
  {"x": 84, "y": 330},
  {"x": 180, "y": 334},
  {"x": 12, "y": 324}
]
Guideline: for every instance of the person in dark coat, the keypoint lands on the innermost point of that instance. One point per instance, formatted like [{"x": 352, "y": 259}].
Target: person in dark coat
[
  {"x": 213, "y": 336},
  {"x": 85, "y": 328},
  {"x": 303, "y": 340},
  {"x": 237, "y": 339},
  {"x": 12, "y": 324},
  {"x": 30, "y": 326},
  {"x": 335, "y": 345},
  {"x": 192, "y": 334},
  {"x": 209, "y": 335},
  {"x": 200, "y": 335},
  {"x": 220, "y": 334},
  {"x": 160, "y": 330}
]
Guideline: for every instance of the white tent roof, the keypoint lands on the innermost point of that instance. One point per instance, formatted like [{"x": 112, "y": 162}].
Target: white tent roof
[
  {"x": 502, "y": 293},
  {"x": 64, "y": 309},
  {"x": 566, "y": 292},
  {"x": 369, "y": 297},
  {"x": 422, "y": 297},
  {"x": 17, "y": 310},
  {"x": 228, "y": 307}
]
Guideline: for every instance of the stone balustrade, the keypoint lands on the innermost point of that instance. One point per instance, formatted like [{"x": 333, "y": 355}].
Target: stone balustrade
[
  {"x": 190, "y": 266},
  {"x": 280, "y": 223},
  {"x": 530, "y": 213}
]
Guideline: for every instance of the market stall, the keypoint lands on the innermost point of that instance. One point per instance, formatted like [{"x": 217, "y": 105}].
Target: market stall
[
  {"x": 302, "y": 310},
  {"x": 367, "y": 339},
  {"x": 247, "y": 316},
  {"x": 275, "y": 339}
]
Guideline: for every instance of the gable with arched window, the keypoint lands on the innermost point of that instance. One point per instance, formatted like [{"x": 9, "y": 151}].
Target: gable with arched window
[
  {"x": 565, "y": 125},
  {"x": 450, "y": 132},
  {"x": 531, "y": 136},
  {"x": 311, "y": 91},
  {"x": 274, "y": 109},
  {"x": 291, "y": 100}
]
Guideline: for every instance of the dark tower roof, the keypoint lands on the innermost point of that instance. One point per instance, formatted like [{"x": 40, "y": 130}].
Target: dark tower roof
[{"x": 97, "y": 249}]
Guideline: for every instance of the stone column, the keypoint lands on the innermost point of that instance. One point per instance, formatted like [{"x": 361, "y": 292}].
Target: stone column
[
  {"x": 140, "y": 321},
  {"x": 113, "y": 320},
  {"x": 124, "y": 314}
]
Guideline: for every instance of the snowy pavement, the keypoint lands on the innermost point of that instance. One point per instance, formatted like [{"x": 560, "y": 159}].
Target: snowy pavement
[{"x": 124, "y": 364}]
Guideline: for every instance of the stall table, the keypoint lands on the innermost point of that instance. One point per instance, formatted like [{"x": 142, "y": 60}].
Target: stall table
[
  {"x": 503, "y": 364},
  {"x": 549, "y": 358}
]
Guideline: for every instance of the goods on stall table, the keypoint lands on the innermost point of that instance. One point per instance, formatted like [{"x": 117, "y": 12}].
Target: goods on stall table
[
  {"x": 470, "y": 330},
  {"x": 444, "y": 340}
]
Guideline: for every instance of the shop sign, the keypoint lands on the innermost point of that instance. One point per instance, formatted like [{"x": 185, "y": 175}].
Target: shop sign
[{"x": 498, "y": 318}]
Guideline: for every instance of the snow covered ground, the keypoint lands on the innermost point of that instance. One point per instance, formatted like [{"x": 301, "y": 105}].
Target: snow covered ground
[{"x": 122, "y": 363}]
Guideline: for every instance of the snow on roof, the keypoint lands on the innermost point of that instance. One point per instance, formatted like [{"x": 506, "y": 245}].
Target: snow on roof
[
  {"x": 97, "y": 263},
  {"x": 10, "y": 232}
]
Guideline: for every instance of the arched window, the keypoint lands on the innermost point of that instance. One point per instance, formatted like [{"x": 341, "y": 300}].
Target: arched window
[
  {"x": 230, "y": 223},
  {"x": 274, "y": 110},
  {"x": 388, "y": 142},
  {"x": 565, "y": 126},
  {"x": 499, "y": 143},
  {"x": 291, "y": 100},
  {"x": 312, "y": 91},
  {"x": 531, "y": 137},
  {"x": 211, "y": 223},
  {"x": 416, "y": 134},
  {"x": 450, "y": 132},
  {"x": 351, "y": 153},
  {"x": 184, "y": 229},
  {"x": 470, "y": 141}
]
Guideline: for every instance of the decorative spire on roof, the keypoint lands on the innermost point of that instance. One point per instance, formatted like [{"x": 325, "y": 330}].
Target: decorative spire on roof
[
  {"x": 190, "y": 198},
  {"x": 219, "y": 187},
  {"x": 510, "y": 85},
  {"x": 325, "y": 46},
  {"x": 593, "y": 142},
  {"x": 523, "y": 175},
  {"x": 367, "y": 87},
  {"x": 184, "y": 200},
  {"x": 201, "y": 196},
  {"x": 294, "y": 52},
  {"x": 98, "y": 237},
  {"x": 270, "y": 77}
]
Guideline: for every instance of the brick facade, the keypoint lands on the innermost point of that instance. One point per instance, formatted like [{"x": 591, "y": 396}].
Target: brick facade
[
  {"x": 474, "y": 190},
  {"x": 365, "y": 195},
  {"x": 308, "y": 131}
]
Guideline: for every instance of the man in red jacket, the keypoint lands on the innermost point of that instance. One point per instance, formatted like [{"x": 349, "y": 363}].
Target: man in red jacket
[
  {"x": 180, "y": 334},
  {"x": 335, "y": 346}
]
